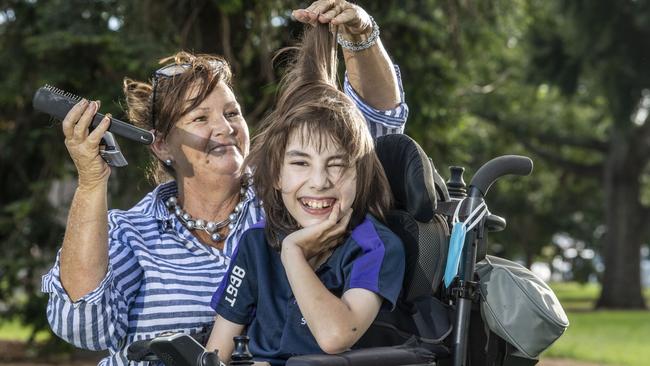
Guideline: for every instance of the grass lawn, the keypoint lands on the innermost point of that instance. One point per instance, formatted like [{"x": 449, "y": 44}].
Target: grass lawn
[{"x": 610, "y": 337}]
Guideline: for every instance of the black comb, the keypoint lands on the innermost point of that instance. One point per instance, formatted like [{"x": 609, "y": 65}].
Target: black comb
[{"x": 57, "y": 103}]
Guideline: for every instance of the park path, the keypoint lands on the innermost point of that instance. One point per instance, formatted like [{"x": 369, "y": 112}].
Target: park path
[{"x": 567, "y": 362}]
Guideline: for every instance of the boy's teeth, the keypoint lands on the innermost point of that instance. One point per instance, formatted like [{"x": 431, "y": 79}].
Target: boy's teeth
[{"x": 317, "y": 204}]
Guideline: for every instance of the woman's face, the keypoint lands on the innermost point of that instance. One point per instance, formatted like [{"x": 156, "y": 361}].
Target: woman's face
[
  {"x": 212, "y": 140},
  {"x": 313, "y": 180}
]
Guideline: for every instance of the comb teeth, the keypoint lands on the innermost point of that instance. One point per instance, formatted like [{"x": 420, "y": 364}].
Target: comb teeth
[{"x": 64, "y": 93}]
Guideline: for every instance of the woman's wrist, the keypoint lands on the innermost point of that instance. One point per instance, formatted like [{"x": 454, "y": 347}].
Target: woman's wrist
[
  {"x": 355, "y": 37},
  {"x": 359, "y": 41},
  {"x": 92, "y": 186}
]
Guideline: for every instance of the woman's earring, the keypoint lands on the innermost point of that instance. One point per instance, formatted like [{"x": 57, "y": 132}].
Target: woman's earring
[{"x": 168, "y": 162}]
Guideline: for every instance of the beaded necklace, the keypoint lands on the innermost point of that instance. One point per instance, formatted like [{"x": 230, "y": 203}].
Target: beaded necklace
[{"x": 210, "y": 227}]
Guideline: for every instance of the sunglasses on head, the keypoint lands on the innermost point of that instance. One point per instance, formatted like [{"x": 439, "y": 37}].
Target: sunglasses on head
[{"x": 168, "y": 71}]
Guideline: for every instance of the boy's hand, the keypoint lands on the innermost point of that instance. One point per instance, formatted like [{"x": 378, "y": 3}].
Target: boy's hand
[{"x": 316, "y": 239}]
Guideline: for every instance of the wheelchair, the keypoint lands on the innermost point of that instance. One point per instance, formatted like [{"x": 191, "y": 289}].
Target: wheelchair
[{"x": 432, "y": 324}]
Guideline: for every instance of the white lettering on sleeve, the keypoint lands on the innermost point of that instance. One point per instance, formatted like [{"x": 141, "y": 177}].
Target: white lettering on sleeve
[{"x": 236, "y": 278}]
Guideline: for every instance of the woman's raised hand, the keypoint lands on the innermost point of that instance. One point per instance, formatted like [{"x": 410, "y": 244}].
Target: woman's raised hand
[
  {"x": 353, "y": 19},
  {"x": 83, "y": 146},
  {"x": 318, "y": 238}
]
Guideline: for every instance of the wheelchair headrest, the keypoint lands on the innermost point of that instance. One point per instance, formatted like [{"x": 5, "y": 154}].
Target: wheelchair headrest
[{"x": 410, "y": 175}]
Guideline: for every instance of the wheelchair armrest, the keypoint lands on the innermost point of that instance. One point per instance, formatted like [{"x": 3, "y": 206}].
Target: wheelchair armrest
[
  {"x": 172, "y": 348},
  {"x": 141, "y": 351},
  {"x": 385, "y": 356},
  {"x": 495, "y": 223}
]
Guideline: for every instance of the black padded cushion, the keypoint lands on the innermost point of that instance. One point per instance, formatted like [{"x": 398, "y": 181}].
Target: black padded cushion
[
  {"x": 404, "y": 226},
  {"x": 425, "y": 245},
  {"x": 410, "y": 175}
]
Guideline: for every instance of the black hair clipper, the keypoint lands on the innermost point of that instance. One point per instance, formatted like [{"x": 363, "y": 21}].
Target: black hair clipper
[{"x": 57, "y": 103}]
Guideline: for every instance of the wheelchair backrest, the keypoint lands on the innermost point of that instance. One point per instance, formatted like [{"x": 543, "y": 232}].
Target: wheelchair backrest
[{"x": 417, "y": 188}]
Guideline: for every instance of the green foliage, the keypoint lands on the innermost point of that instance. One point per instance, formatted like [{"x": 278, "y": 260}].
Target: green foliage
[{"x": 15, "y": 331}]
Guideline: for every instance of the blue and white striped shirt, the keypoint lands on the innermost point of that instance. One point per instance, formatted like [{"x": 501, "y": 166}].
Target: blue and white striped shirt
[{"x": 160, "y": 277}]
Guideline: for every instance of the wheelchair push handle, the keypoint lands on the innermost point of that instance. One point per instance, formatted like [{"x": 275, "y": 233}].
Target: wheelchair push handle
[{"x": 496, "y": 168}]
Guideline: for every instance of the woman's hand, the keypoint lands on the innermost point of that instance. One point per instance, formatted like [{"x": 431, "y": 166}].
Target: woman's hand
[
  {"x": 84, "y": 255},
  {"x": 353, "y": 19},
  {"x": 371, "y": 72},
  {"x": 83, "y": 146},
  {"x": 318, "y": 238}
]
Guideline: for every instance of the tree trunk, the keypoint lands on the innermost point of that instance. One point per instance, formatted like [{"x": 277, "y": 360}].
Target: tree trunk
[
  {"x": 621, "y": 285},
  {"x": 529, "y": 248}
]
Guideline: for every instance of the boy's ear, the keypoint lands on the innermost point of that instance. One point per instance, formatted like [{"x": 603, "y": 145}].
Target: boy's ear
[{"x": 160, "y": 147}]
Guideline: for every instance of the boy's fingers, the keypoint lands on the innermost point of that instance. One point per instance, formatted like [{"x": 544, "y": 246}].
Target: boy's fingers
[
  {"x": 346, "y": 213},
  {"x": 334, "y": 215},
  {"x": 342, "y": 222},
  {"x": 346, "y": 217}
]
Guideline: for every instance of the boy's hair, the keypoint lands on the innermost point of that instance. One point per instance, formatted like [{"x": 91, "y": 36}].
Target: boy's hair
[
  {"x": 311, "y": 106},
  {"x": 199, "y": 71}
]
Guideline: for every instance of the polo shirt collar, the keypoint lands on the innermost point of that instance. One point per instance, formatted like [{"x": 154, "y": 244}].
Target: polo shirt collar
[{"x": 156, "y": 206}]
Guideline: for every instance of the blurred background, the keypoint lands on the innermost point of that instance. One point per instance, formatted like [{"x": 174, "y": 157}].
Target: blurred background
[{"x": 566, "y": 82}]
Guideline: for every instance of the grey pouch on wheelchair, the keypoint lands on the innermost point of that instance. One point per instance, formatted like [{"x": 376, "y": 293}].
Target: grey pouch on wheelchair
[{"x": 519, "y": 307}]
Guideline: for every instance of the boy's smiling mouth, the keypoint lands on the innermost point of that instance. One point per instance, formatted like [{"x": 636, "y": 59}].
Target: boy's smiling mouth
[{"x": 317, "y": 205}]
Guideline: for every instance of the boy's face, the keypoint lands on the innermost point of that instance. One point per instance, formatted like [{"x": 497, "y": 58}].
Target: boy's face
[{"x": 313, "y": 181}]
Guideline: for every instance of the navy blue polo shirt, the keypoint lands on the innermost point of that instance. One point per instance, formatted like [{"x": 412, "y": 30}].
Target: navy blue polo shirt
[{"x": 256, "y": 292}]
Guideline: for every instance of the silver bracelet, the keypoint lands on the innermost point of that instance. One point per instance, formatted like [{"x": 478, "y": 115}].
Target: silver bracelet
[{"x": 360, "y": 46}]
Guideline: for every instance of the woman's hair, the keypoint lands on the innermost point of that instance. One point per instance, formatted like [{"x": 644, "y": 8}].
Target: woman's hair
[
  {"x": 202, "y": 72},
  {"x": 310, "y": 105}
]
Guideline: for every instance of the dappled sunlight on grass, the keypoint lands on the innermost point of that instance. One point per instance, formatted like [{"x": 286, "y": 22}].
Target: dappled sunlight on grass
[
  {"x": 613, "y": 337},
  {"x": 610, "y": 337}
]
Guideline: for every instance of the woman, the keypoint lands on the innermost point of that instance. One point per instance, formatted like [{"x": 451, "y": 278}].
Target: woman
[{"x": 133, "y": 274}]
